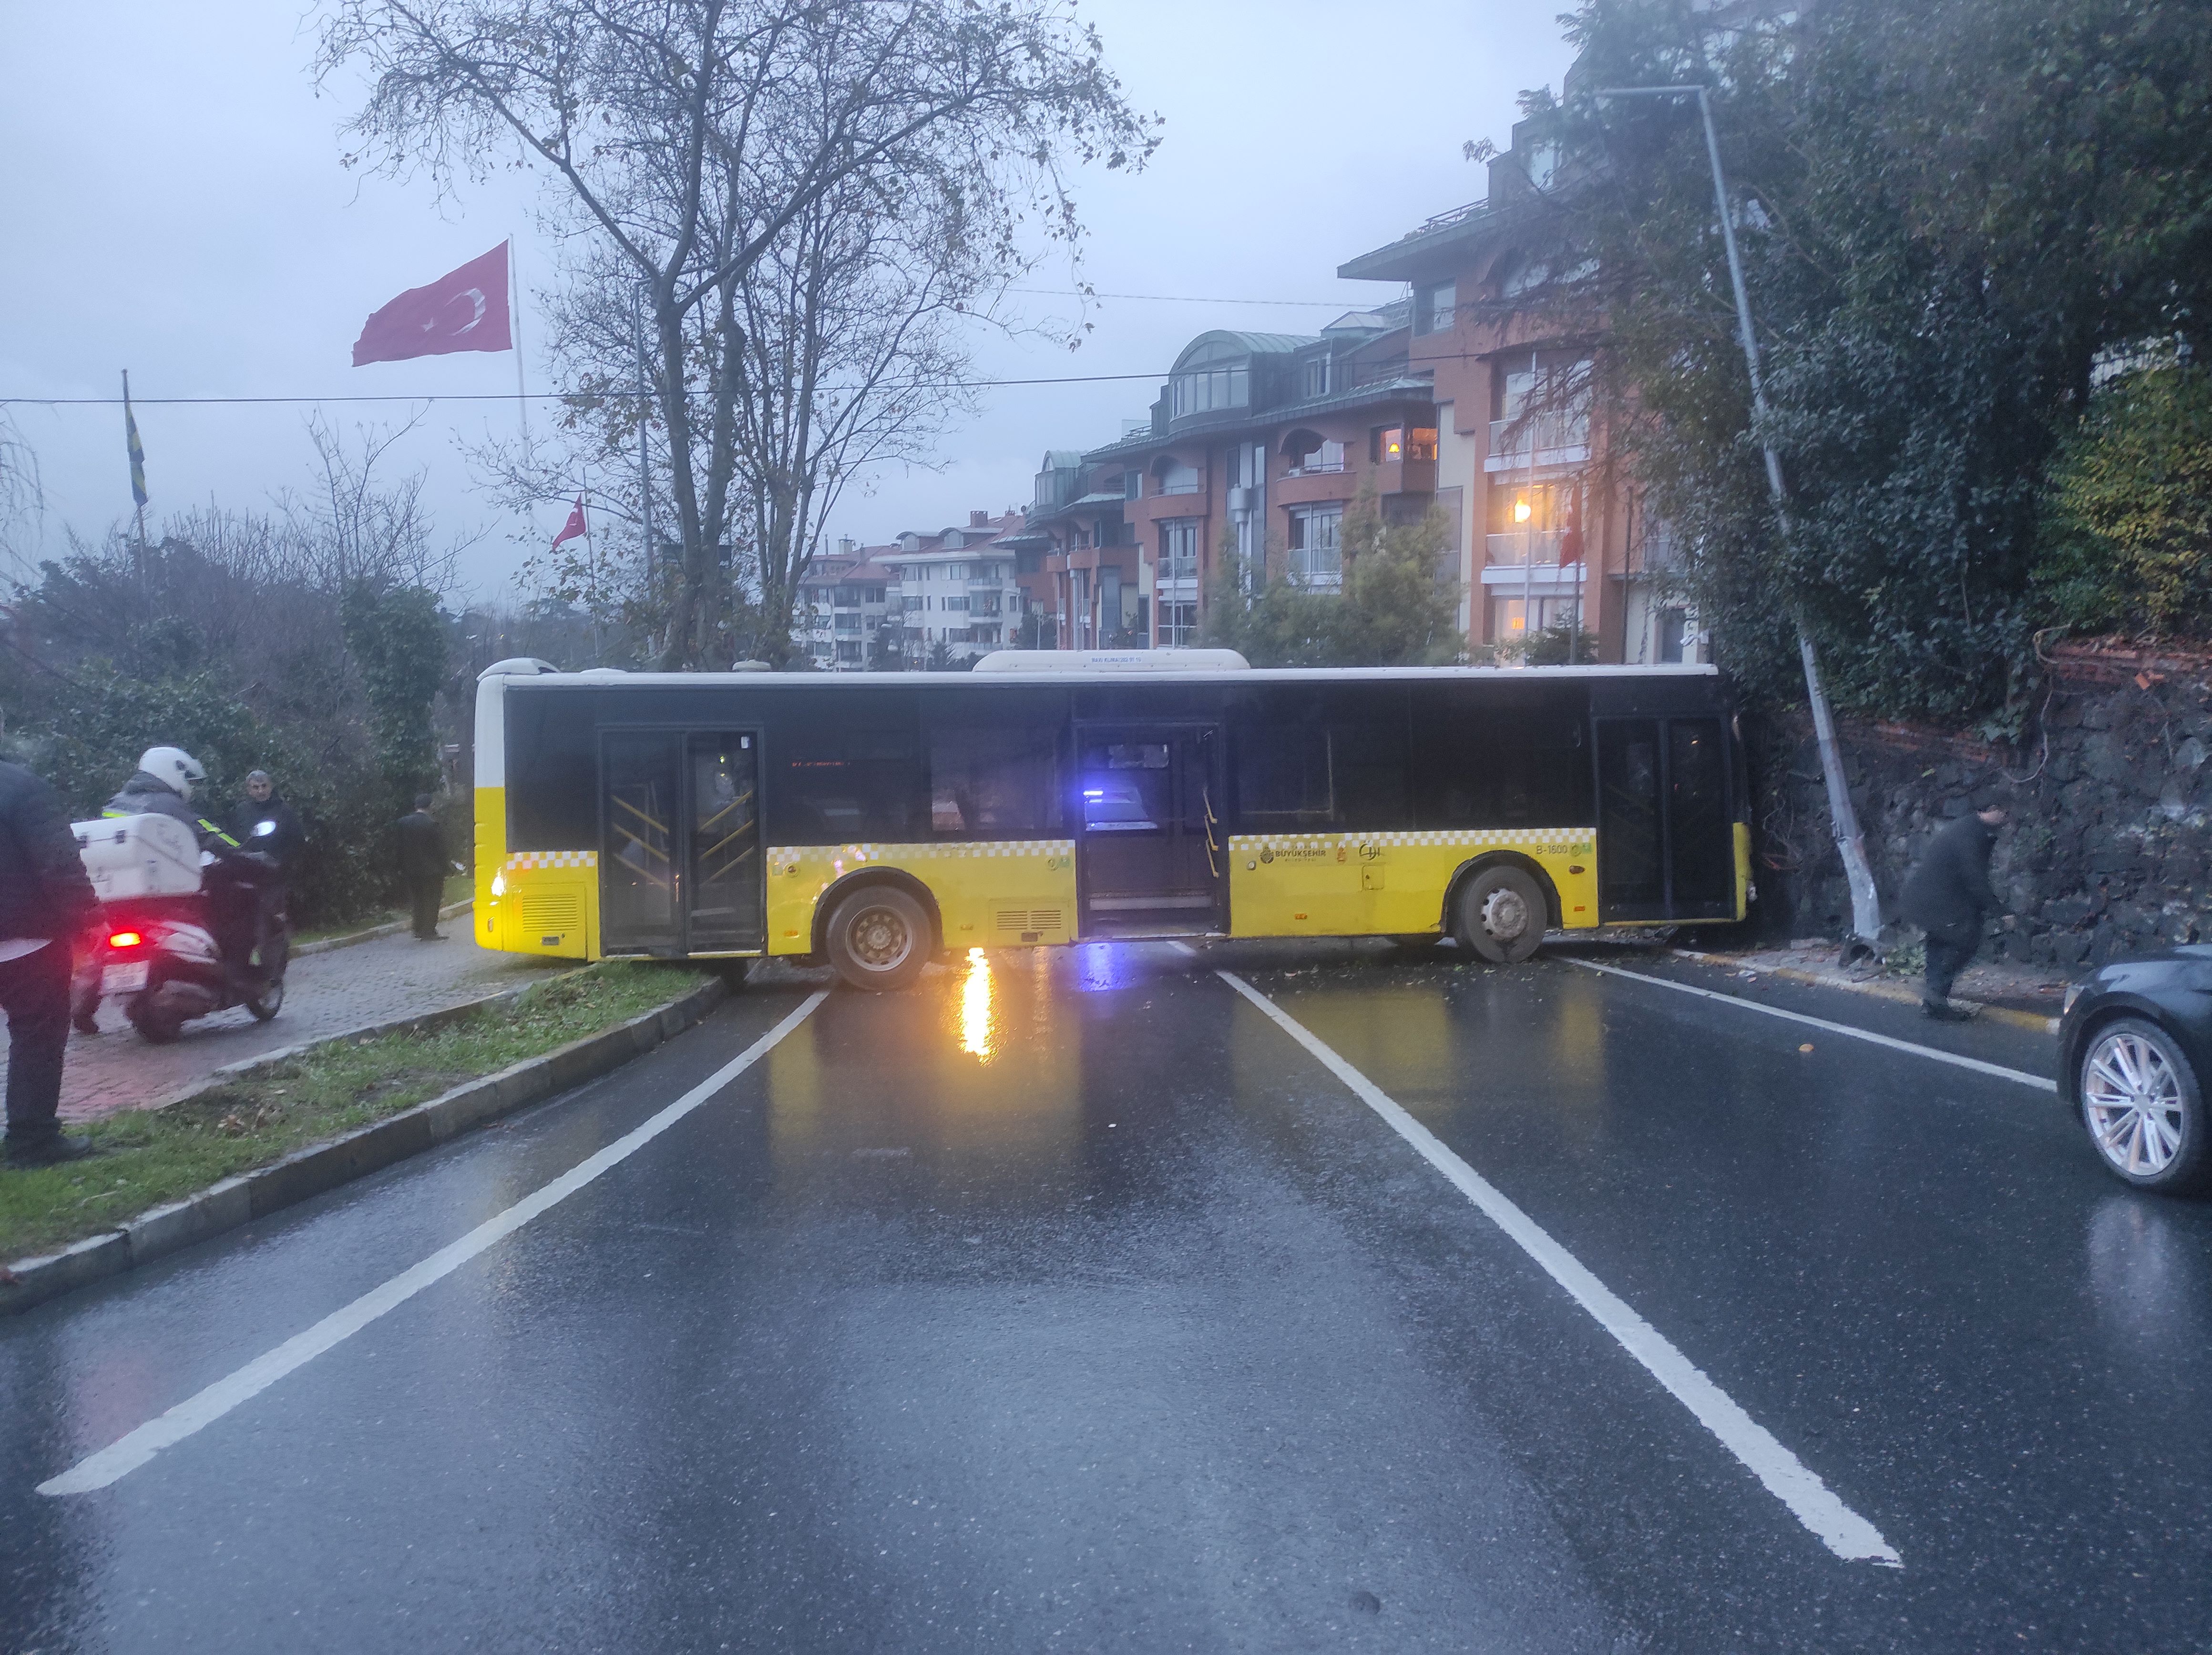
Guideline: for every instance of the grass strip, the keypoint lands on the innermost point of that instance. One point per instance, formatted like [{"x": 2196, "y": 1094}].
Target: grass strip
[{"x": 150, "y": 1157}]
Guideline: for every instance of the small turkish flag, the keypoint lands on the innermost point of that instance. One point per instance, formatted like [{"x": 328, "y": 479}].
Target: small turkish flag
[
  {"x": 574, "y": 529},
  {"x": 463, "y": 310}
]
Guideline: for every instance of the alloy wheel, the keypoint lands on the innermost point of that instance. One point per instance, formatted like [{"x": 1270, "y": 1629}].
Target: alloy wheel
[{"x": 2133, "y": 1099}]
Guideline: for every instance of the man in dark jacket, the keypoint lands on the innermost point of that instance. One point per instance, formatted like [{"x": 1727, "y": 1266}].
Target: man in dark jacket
[
  {"x": 263, "y": 821},
  {"x": 1947, "y": 895},
  {"x": 44, "y": 901},
  {"x": 283, "y": 836},
  {"x": 423, "y": 865}
]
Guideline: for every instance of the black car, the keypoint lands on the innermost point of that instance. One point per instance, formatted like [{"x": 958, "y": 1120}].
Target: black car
[{"x": 2136, "y": 1036}]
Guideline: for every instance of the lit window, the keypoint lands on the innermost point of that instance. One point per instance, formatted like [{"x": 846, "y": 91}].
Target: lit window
[{"x": 1388, "y": 443}]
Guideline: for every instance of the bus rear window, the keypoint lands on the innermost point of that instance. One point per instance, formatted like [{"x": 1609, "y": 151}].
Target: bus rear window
[{"x": 552, "y": 772}]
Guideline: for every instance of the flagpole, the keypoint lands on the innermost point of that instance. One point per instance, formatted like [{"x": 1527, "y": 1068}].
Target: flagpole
[
  {"x": 583, "y": 500},
  {"x": 514, "y": 309}
]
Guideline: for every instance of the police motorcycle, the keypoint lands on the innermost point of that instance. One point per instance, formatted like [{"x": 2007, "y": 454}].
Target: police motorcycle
[{"x": 167, "y": 909}]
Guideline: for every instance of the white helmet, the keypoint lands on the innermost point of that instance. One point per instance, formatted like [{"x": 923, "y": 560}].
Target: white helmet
[{"x": 173, "y": 765}]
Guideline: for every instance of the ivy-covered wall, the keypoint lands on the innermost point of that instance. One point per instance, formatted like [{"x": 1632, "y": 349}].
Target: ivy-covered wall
[{"x": 2108, "y": 850}]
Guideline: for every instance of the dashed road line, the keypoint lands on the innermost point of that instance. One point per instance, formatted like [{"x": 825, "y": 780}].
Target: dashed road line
[
  {"x": 125, "y": 1455},
  {"x": 1810, "y": 1500},
  {"x": 1998, "y": 1070}
]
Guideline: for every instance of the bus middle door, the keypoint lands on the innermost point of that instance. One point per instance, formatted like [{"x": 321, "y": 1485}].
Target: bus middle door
[{"x": 1151, "y": 852}]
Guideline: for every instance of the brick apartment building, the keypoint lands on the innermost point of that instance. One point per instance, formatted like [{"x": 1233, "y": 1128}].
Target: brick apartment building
[
  {"x": 1543, "y": 538},
  {"x": 1260, "y": 444},
  {"x": 956, "y": 587}
]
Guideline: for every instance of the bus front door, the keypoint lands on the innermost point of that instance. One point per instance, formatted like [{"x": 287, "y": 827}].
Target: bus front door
[
  {"x": 1666, "y": 844},
  {"x": 722, "y": 887},
  {"x": 1151, "y": 853},
  {"x": 679, "y": 837}
]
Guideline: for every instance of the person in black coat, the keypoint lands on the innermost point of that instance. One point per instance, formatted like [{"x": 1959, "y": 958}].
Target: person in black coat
[
  {"x": 423, "y": 865},
  {"x": 1948, "y": 896},
  {"x": 46, "y": 900},
  {"x": 263, "y": 821},
  {"x": 262, "y": 805}
]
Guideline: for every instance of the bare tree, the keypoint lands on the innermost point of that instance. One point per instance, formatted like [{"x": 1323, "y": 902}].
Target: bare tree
[
  {"x": 355, "y": 526},
  {"x": 687, "y": 138},
  {"x": 22, "y": 495}
]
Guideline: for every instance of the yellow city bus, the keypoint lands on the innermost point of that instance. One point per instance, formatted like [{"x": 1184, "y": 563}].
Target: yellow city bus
[{"x": 878, "y": 819}]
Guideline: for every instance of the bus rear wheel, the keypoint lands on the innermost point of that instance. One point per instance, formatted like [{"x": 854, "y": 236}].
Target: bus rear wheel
[
  {"x": 879, "y": 939},
  {"x": 1501, "y": 916}
]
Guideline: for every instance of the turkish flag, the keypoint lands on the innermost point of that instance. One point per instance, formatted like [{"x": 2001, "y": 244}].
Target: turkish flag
[
  {"x": 465, "y": 310},
  {"x": 574, "y": 529}
]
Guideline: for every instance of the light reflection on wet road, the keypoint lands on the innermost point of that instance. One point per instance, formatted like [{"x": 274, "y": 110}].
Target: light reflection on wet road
[{"x": 1066, "y": 1301}]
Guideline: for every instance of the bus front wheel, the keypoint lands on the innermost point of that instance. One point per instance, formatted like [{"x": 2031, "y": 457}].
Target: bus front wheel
[
  {"x": 879, "y": 938},
  {"x": 1501, "y": 916}
]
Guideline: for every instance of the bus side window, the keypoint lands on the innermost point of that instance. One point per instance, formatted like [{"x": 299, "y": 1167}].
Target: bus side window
[
  {"x": 1283, "y": 778},
  {"x": 1367, "y": 762},
  {"x": 1001, "y": 783},
  {"x": 1501, "y": 765},
  {"x": 854, "y": 787}
]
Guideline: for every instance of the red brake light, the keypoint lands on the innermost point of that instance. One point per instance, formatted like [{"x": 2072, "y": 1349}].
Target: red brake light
[{"x": 124, "y": 940}]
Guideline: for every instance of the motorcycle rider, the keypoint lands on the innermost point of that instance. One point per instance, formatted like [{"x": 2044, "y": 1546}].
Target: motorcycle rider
[{"x": 163, "y": 786}]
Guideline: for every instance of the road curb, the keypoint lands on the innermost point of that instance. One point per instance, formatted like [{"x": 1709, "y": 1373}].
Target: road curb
[
  {"x": 325, "y": 944},
  {"x": 1896, "y": 993},
  {"x": 322, "y": 1166},
  {"x": 414, "y": 1023}
]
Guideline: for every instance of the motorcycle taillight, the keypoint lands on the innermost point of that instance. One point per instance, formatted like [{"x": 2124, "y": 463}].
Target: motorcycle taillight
[{"x": 123, "y": 939}]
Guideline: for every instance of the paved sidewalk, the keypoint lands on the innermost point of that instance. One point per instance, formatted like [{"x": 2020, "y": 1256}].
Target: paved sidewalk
[
  {"x": 324, "y": 994},
  {"x": 2024, "y": 994}
]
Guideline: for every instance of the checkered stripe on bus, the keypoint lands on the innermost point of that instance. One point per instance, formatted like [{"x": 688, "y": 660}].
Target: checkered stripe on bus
[
  {"x": 1557, "y": 841},
  {"x": 923, "y": 853},
  {"x": 522, "y": 859}
]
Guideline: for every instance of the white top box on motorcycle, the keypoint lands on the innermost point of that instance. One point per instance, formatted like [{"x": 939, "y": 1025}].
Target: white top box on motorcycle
[{"x": 150, "y": 855}]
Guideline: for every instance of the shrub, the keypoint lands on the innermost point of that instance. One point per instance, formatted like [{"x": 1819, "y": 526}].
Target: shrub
[{"x": 2127, "y": 529}]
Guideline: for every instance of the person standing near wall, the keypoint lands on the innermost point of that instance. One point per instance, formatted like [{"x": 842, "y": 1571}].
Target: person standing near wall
[
  {"x": 1948, "y": 896},
  {"x": 423, "y": 865},
  {"x": 46, "y": 900}
]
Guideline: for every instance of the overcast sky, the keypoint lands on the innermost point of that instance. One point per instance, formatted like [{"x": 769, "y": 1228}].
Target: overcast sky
[{"x": 173, "y": 204}]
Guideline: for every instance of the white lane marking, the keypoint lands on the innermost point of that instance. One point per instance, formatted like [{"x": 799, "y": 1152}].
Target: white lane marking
[
  {"x": 1975, "y": 1063},
  {"x": 1839, "y": 1528},
  {"x": 127, "y": 1453}
]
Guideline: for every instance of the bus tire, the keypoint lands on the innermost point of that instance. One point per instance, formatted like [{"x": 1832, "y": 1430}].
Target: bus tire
[
  {"x": 879, "y": 939},
  {"x": 1501, "y": 916}
]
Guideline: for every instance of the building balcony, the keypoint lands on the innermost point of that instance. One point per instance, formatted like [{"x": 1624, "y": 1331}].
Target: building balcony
[
  {"x": 1537, "y": 440},
  {"x": 1537, "y": 580},
  {"x": 1520, "y": 546}
]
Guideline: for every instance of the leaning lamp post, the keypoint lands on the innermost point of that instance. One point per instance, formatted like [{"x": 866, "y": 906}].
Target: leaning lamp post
[{"x": 1844, "y": 818}]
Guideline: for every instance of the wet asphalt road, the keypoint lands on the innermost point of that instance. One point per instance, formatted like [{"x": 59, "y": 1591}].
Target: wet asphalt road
[{"x": 1068, "y": 1303}]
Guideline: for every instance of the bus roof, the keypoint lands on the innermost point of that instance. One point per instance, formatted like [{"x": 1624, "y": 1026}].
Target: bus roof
[{"x": 543, "y": 673}]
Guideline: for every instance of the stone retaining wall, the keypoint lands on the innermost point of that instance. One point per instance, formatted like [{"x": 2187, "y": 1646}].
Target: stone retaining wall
[{"x": 2109, "y": 848}]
